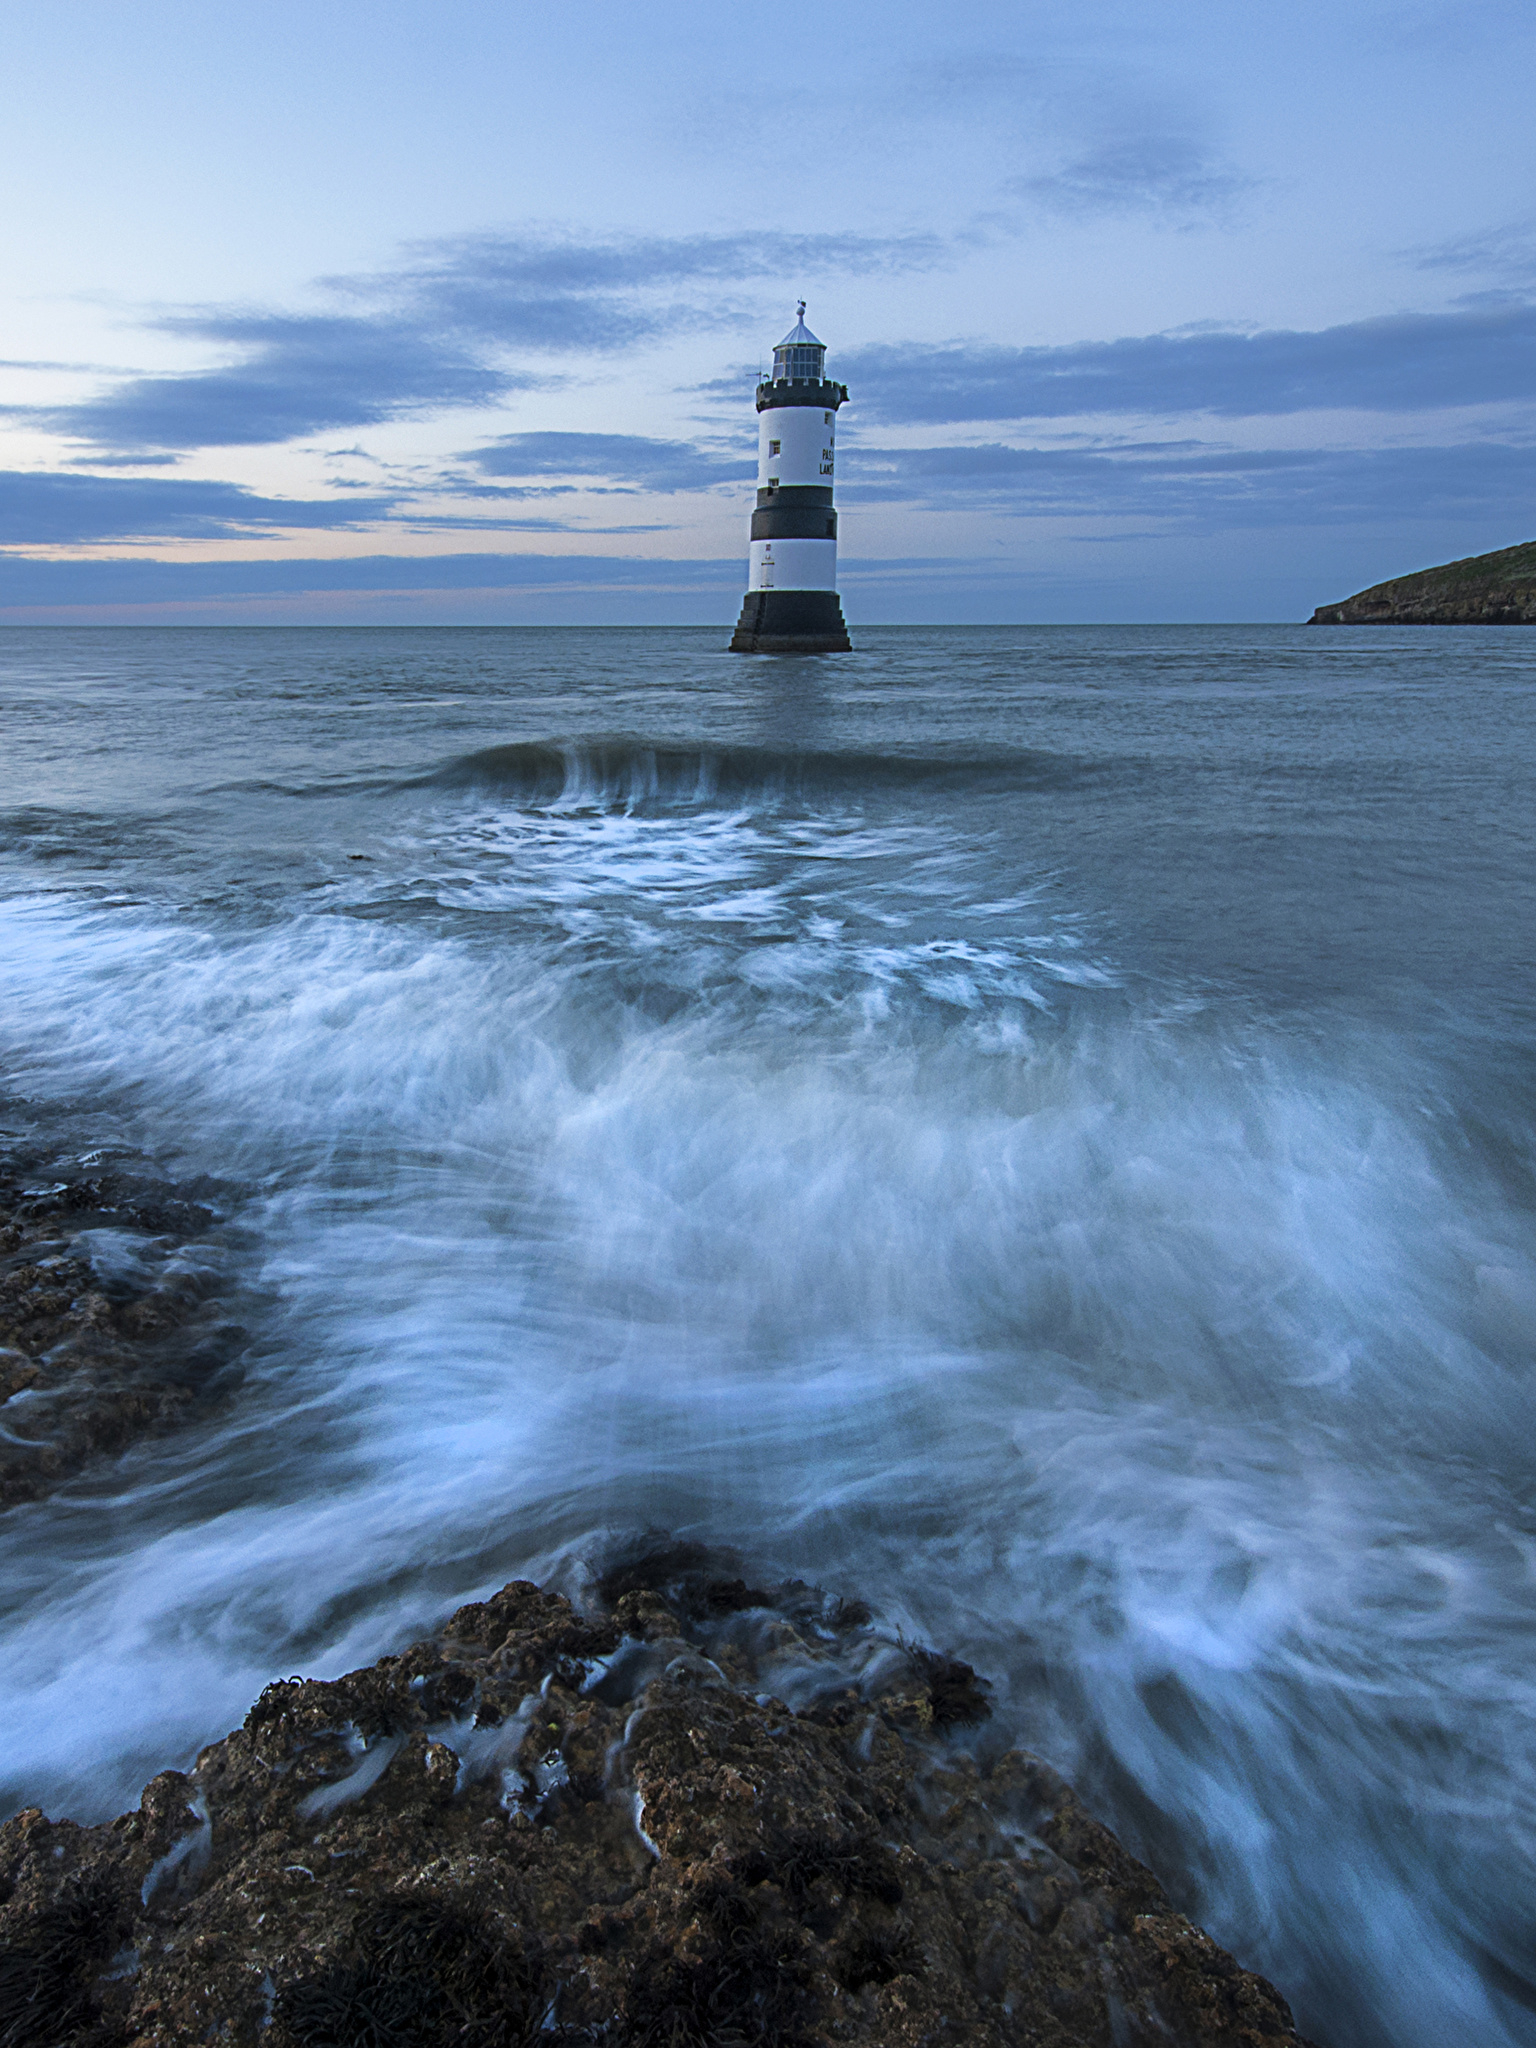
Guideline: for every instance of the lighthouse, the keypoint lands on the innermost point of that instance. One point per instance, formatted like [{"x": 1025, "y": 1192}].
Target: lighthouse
[{"x": 791, "y": 605}]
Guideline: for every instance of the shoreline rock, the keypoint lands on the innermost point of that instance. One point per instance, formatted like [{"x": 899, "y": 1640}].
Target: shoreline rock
[
  {"x": 90, "y": 1362},
  {"x": 706, "y": 1813},
  {"x": 1480, "y": 590}
]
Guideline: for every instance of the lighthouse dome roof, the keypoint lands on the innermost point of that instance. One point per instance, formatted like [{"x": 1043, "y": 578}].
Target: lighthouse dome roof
[{"x": 800, "y": 336}]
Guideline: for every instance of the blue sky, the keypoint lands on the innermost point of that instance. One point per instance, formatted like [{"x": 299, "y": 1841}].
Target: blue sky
[{"x": 452, "y": 313}]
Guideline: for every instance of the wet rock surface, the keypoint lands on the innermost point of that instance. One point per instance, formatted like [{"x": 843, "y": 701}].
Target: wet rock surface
[
  {"x": 703, "y": 1813},
  {"x": 109, "y": 1324}
]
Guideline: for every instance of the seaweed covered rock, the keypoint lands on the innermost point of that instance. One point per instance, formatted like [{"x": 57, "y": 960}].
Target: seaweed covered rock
[{"x": 706, "y": 1813}]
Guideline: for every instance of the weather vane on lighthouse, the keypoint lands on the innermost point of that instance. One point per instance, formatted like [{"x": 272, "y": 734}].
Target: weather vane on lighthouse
[{"x": 791, "y": 605}]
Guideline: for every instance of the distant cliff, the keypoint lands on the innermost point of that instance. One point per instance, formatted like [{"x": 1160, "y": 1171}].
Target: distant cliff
[{"x": 1484, "y": 590}]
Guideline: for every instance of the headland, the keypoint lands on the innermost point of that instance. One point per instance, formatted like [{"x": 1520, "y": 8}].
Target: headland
[{"x": 1481, "y": 590}]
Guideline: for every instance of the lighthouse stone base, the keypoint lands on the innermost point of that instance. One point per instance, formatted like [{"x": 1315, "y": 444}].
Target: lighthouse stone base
[{"x": 791, "y": 622}]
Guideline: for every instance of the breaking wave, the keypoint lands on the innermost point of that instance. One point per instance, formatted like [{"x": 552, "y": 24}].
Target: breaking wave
[{"x": 632, "y": 772}]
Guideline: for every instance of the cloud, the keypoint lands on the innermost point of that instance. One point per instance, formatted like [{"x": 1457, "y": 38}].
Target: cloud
[
  {"x": 25, "y": 582},
  {"x": 49, "y": 363},
  {"x": 436, "y": 522},
  {"x": 41, "y": 509},
  {"x": 631, "y": 461},
  {"x": 1201, "y": 487},
  {"x": 564, "y": 292},
  {"x": 99, "y": 459},
  {"x": 1150, "y": 173},
  {"x": 1508, "y": 253},
  {"x": 1406, "y": 362},
  {"x": 1124, "y": 138},
  {"x": 295, "y": 376},
  {"x": 46, "y": 509},
  {"x": 1188, "y": 485},
  {"x": 448, "y": 328}
]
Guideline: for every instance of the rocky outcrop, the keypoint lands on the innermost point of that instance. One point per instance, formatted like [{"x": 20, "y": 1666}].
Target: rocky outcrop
[
  {"x": 92, "y": 1359},
  {"x": 705, "y": 1814},
  {"x": 1482, "y": 590}
]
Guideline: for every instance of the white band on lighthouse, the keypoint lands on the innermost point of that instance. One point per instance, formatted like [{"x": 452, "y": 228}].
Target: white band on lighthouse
[
  {"x": 795, "y": 447},
  {"x": 792, "y": 565}
]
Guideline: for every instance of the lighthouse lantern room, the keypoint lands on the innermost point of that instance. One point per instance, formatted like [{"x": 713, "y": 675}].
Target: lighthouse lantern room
[{"x": 791, "y": 606}]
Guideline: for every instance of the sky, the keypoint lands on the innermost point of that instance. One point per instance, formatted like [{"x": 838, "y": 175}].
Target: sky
[{"x": 446, "y": 314}]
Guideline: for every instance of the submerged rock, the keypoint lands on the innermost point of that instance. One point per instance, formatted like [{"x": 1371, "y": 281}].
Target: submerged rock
[
  {"x": 107, "y": 1329},
  {"x": 706, "y": 1814}
]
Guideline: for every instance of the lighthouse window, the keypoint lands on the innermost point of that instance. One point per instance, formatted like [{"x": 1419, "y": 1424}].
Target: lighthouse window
[
  {"x": 773, "y": 447},
  {"x": 826, "y": 419}
]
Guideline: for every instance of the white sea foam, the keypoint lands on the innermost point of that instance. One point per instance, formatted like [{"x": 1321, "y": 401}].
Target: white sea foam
[
  {"x": 374, "y": 1760},
  {"x": 663, "y": 1171}
]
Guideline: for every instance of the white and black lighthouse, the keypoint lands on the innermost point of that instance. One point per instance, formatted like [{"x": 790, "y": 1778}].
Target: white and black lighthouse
[{"x": 791, "y": 606}]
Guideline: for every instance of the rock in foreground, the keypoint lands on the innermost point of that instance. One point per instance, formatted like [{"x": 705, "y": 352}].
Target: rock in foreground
[
  {"x": 1483, "y": 590},
  {"x": 714, "y": 1816},
  {"x": 90, "y": 1364}
]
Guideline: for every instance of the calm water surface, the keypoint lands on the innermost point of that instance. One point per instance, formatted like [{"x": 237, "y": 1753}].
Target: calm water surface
[{"x": 1033, "y": 1127}]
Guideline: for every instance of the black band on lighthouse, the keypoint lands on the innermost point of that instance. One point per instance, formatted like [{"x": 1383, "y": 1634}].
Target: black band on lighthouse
[
  {"x": 791, "y": 622},
  {"x": 795, "y": 522},
  {"x": 819, "y": 495},
  {"x": 825, "y": 394}
]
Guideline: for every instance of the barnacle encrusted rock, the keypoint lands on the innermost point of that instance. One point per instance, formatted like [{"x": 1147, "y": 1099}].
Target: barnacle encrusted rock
[{"x": 704, "y": 1814}]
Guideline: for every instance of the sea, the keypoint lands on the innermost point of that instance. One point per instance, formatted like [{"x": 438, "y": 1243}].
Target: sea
[{"x": 1033, "y": 1128}]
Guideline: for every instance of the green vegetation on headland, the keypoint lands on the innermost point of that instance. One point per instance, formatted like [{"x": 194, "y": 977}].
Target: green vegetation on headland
[{"x": 1484, "y": 590}]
